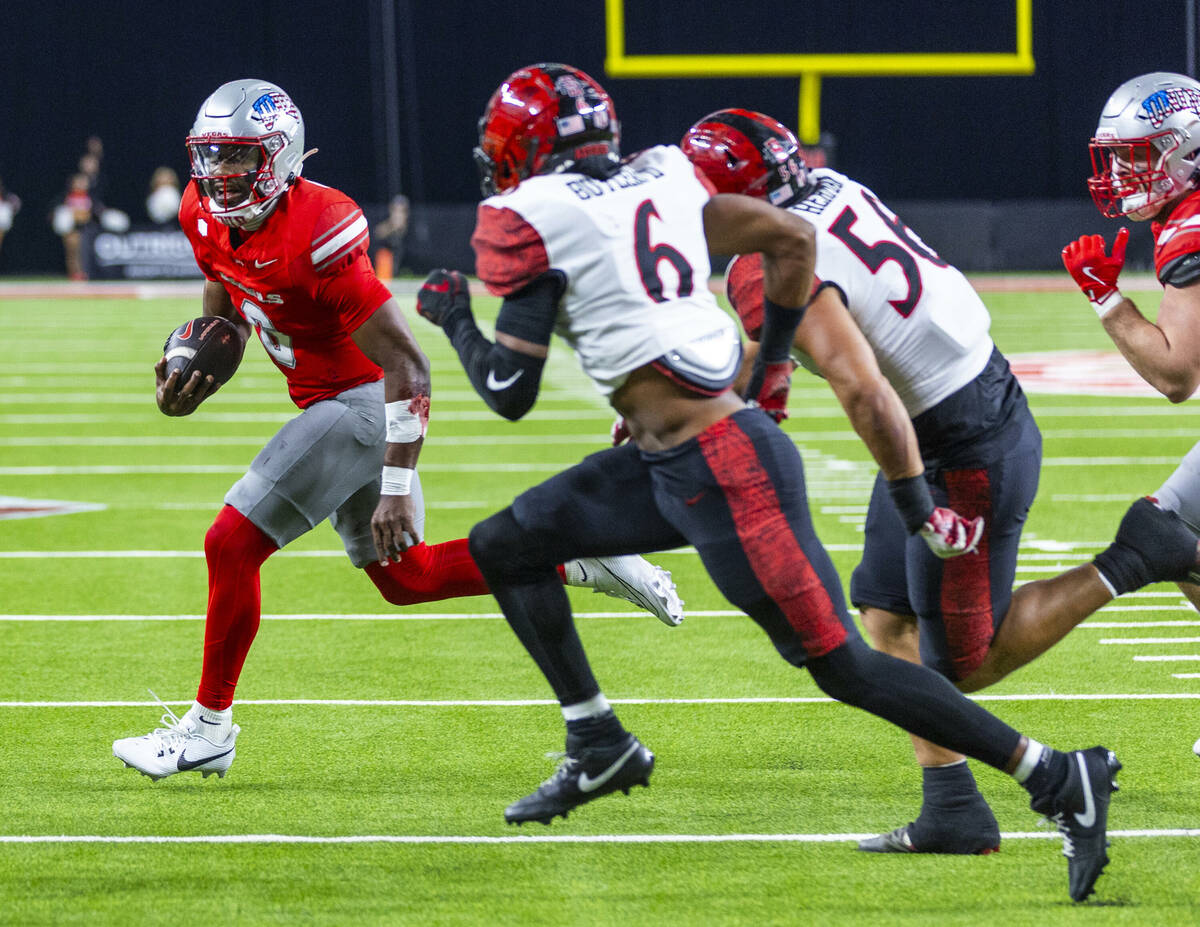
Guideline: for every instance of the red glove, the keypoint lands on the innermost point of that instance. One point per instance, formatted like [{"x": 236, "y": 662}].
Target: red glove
[
  {"x": 772, "y": 396},
  {"x": 948, "y": 534},
  {"x": 620, "y": 431},
  {"x": 1094, "y": 271}
]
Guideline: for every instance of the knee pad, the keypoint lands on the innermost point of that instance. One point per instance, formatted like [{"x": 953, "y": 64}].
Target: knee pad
[{"x": 506, "y": 553}]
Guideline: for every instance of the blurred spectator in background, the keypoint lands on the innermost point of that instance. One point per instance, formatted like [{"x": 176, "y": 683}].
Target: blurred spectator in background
[
  {"x": 389, "y": 237},
  {"x": 162, "y": 205},
  {"x": 77, "y": 210},
  {"x": 10, "y": 205},
  {"x": 91, "y": 162}
]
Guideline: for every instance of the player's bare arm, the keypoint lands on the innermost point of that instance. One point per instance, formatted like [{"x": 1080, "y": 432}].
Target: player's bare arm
[
  {"x": 175, "y": 398},
  {"x": 741, "y": 225},
  {"x": 829, "y": 335},
  {"x": 388, "y": 341},
  {"x": 1165, "y": 353}
]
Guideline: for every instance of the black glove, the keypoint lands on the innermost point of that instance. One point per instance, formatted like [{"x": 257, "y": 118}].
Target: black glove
[{"x": 444, "y": 297}]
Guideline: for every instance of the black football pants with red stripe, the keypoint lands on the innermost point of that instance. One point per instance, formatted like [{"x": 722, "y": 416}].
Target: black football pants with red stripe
[{"x": 736, "y": 493}]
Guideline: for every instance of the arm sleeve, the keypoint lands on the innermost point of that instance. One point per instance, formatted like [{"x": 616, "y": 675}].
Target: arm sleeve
[{"x": 509, "y": 380}]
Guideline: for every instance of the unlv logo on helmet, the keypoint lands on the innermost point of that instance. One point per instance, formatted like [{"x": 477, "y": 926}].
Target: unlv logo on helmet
[{"x": 270, "y": 106}]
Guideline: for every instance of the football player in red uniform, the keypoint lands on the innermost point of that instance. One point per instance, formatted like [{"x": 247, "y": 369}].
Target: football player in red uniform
[
  {"x": 884, "y": 295},
  {"x": 1146, "y": 166},
  {"x": 612, "y": 255},
  {"x": 286, "y": 260}
]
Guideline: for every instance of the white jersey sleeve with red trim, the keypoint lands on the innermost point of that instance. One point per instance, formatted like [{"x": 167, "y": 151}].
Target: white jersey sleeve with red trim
[
  {"x": 631, "y": 247},
  {"x": 926, "y": 324}
]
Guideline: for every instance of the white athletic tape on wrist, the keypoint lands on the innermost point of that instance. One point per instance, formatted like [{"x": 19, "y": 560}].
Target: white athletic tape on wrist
[
  {"x": 404, "y": 426},
  {"x": 1104, "y": 306},
  {"x": 396, "y": 481}
]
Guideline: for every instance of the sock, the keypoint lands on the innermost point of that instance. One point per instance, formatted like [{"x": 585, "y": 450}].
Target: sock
[
  {"x": 1042, "y": 772},
  {"x": 214, "y": 725},
  {"x": 954, "y": 817},
  {"x": 427, "y": 573},
  {"x": 1121, "y": 569},
  {"x": 600, "y": 729},
  {"x": 235, "y": 550}
]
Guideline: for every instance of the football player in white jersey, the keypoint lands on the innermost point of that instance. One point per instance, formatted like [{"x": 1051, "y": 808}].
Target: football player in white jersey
[
  {"x": 613, "y": 256},
  {"x": 877, "y": 284}
]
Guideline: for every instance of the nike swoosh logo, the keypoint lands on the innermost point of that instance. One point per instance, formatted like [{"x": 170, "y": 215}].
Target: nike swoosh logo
[
  {"x": 206, "y": 721},
  {"x": 261, "y": 264},
  {"x": 496, "y": 385},
  {"x": 186, "y": 764},
  {"x": 1088, "y": 818},
  {"x": 588, "y": 784},
  {"x": 1087, "y": 272}
]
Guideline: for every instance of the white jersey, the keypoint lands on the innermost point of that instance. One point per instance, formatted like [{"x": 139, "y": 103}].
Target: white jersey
[
  {"x": 926, "y": 324},
  {"x": 633, "y": 252}
]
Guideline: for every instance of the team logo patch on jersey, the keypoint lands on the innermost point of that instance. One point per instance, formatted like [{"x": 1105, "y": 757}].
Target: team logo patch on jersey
[
  {"x": 1162, "y": 103},
  {"x": 14, "y": 507},
  {"x": 270, "y": 106}
]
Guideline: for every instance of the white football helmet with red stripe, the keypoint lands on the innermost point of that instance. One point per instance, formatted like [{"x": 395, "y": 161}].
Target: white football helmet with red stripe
[{"x": 246, "y": 148}]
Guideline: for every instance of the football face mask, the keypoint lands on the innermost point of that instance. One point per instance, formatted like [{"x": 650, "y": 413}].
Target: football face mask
[
  {"x": 1129, "y": 176},
  {"x": 234, "y": 174}
]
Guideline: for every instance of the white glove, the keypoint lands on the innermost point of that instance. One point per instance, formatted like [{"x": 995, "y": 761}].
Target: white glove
[{"x": 948, "y": 534}]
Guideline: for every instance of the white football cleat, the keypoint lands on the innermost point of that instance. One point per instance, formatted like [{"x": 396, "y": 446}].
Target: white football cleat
[
  {"x": 1196, "y": 748},
  {"x": 633, "y": 579},
  {"x": 177, "y": 747}
]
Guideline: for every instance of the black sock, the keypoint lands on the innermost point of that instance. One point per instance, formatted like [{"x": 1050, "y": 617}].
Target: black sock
[
  {"x": 1046, "y": 779},
  {"x": 599, "y": 730},
  {"x": 948, "y": 787}
]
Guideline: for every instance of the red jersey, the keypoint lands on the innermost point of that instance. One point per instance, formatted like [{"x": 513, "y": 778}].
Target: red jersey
[
  {"x": 302, "y": 279},
  {"x": 1178, "y": 237}
]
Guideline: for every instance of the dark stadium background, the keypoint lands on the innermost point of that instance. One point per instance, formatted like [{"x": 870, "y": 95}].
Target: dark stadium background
[{"x": 955, "y": 147}]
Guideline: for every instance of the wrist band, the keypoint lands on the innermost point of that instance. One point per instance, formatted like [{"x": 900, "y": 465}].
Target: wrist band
[
  {"x": 911, "y": 497},
  {"x": 407, "y": 419},
  {"x": 1108, "y": 303},
  {"x": 396, "y": 481}
]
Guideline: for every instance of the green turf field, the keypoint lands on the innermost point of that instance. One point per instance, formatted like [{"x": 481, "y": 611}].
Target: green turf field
[{"x": 380, "y": 746}]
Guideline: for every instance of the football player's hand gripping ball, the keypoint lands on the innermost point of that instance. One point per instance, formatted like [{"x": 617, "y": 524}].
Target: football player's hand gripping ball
[
  {"x": 1095, "y": 271},
  {"x": 948, "y": 534},
  {"x": 444, "y": 295}
]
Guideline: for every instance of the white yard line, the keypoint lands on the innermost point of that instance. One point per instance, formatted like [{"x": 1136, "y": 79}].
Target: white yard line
[
  {"x": 536, "y": 702},
  {"x": 425, "y": 839}
]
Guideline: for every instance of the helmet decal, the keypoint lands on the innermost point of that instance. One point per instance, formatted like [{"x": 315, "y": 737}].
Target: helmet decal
[{"x": 270, "y": 106}]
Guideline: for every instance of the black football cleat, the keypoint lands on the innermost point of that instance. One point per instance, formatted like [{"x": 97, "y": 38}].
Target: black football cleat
[
  {"x": 585, "y": 773},
  {"x": 966, "y": 832},
  {"x": 1080, "y": 811}
]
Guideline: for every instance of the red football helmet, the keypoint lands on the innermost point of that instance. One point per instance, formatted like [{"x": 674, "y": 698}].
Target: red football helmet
[
  {"x": 544, "y": 118},
  {"x": 742, "y": 151}
]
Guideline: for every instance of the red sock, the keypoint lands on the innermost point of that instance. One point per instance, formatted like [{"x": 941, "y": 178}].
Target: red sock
[
  {"x": 428, "y": 573},
  {"x": 235, "y": 550}
]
